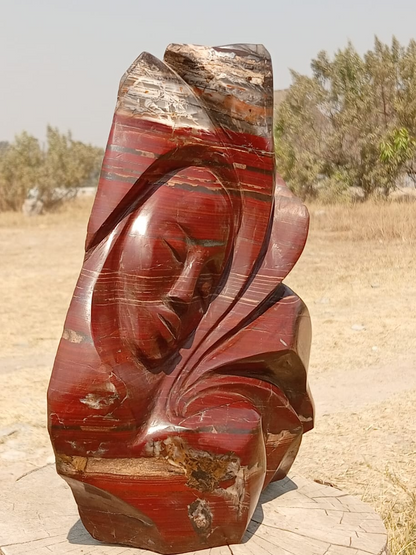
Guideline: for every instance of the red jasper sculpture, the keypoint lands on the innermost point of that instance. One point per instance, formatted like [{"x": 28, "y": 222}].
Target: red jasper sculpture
[{"x": 179, "y": 387}]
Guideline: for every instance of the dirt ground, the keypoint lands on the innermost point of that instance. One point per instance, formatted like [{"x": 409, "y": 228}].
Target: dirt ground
[{"x": 362, "y": 300}]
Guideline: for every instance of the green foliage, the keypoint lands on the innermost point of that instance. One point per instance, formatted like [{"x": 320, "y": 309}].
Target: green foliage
[
  {"x": 67, "y": 164},
  {"x": 54, "y": 173},
  {"x": 352, "y": 123},
  {"x": 20, "y": 166}
]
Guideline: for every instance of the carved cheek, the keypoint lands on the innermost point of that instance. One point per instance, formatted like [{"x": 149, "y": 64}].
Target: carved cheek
[{"x": 149, "y": 269}]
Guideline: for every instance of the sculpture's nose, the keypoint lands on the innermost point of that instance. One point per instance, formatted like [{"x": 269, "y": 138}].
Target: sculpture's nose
[{"x": 183, "y": 291}]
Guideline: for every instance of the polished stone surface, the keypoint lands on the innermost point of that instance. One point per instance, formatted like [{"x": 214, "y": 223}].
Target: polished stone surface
[{"x": 179, "y": 387}]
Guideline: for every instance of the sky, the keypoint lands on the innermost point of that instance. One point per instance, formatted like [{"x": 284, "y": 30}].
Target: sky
[{"x": 61, "y": 61}]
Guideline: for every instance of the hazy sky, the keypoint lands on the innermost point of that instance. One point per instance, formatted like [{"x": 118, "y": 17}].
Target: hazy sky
[{"x": 61, "y": 60}]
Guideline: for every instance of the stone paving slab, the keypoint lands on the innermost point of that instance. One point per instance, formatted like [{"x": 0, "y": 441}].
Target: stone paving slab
[{"x": 38, "y": 516}]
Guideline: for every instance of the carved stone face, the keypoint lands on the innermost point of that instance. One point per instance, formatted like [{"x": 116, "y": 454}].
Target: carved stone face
[{"x": 172, "y": 259}]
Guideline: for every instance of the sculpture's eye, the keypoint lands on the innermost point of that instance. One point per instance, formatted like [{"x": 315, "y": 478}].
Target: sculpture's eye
[{"x": 178, "y": 255}]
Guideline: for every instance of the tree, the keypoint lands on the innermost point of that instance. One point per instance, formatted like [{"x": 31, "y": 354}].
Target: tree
[
  {"x": 67, "y": 164},
  {"x": 20, "y": 165},
  {"x": 52, "y": 174},
  {"x": 353, "y": 123}
]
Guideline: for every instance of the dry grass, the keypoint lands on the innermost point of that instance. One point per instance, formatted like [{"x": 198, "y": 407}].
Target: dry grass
[
  {"x": 73, "y": 211},
  {"x": 399, "y": 518},
  {"x": 395, "y": 502},
  {"x": 369, "y": 221},
  {"x": 370, "y": 453},
  {"x": 358, "y": 268}
]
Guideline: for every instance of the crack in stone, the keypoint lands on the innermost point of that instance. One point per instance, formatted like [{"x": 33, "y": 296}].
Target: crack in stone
[
  {"x": 31, "y": 541},
  {"x": 317, "y": 540}
]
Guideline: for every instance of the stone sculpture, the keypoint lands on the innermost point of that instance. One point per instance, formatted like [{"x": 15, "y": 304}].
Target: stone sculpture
[{"x": 179, "y": 387}]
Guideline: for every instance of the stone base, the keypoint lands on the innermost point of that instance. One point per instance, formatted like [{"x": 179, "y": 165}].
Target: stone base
[{"x": 38, "y": 516}]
